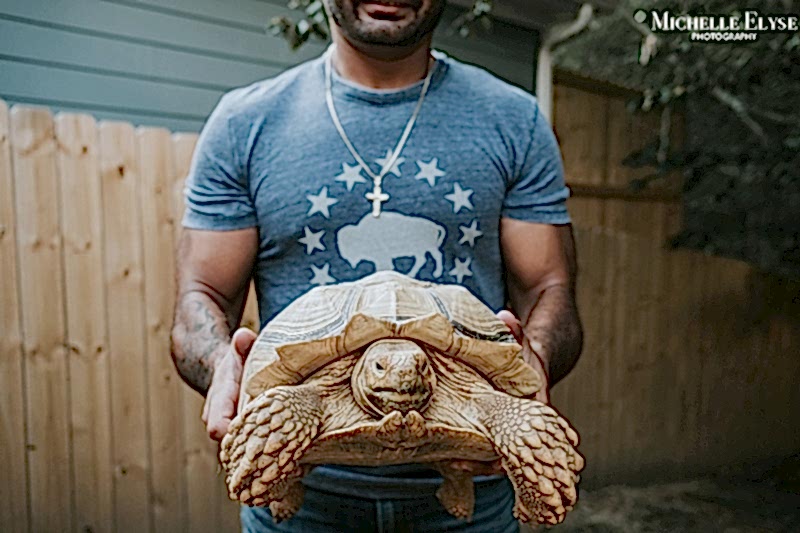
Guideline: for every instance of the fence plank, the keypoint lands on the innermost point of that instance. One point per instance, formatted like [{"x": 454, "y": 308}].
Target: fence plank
[
  {"x": 581, "y": 119},
  {"x": 618, "y": 330},
  {"x": 722, "y": 390},
  {"x": 41, "y": 284},
  {"x": 639, "y": 364},
  {"x": 203, "y": 487},
  {"x": 124, "y": 281},
  {"x": 14, "y": 491},
  {"x": 250, "y": 318},
  {"x": 81, "y": 220},
  {"x": 182, "y": 151},
  {"x": 157, "y": 169},
  {"x": 597, "y": 295},
  {"x": 657, "y": 359},
  {"x": 609, "y": 280}
]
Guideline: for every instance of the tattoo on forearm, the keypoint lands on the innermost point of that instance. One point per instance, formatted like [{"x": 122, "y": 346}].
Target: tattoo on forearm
[
  {"x": 554, "y": 324},
  {"x": 200, "y": 335}
]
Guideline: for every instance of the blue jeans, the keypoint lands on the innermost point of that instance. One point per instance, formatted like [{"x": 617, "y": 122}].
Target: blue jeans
[{"x": 326, "y": 512}]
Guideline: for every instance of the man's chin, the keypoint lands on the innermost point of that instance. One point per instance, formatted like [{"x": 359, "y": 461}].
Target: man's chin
[
  {"x": 388, "y": 31},
  {"x": 384, "y": 35}
]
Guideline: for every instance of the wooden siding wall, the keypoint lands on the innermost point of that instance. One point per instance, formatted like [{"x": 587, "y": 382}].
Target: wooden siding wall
[
  {"x": 166, "y": 62},
  {"x": 690, "y": 362}
]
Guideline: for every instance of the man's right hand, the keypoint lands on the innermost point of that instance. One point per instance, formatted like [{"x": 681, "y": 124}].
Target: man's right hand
[{"x": 223, "y": 394}]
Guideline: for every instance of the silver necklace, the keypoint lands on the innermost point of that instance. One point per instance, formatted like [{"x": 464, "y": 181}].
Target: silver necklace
[{"x": 377, "y": 197}]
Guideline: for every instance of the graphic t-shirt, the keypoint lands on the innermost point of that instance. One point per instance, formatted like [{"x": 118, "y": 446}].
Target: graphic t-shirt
[{"x": 270, "y": 157}]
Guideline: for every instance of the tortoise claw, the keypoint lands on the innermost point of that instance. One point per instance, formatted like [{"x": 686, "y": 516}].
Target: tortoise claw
[
  {"x": 395, "y": 428},
  {"x": 415, "y": 424},
  {"x": 391, "y": 424}
]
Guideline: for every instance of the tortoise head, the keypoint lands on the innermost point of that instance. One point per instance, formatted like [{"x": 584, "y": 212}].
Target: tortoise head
[{"x": 393, "y": 375}]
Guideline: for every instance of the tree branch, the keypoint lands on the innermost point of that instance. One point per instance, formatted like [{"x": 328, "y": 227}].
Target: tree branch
[
  {"x": 562, "y": 32},
  {"x": 777, "y": 118},
  {"x": 650, "y": 40},
  {"x": 479, "y": 11},
  {"x": 740, "y": 109}
]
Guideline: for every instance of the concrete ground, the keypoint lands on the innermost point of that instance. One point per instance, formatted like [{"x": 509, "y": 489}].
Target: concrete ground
[{"x": 767, "y": 502}]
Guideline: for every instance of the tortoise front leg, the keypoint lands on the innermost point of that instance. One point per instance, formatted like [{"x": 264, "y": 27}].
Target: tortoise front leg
[
  {"x": 537, "y": 448},
  {"x": 265, "y": 443}
]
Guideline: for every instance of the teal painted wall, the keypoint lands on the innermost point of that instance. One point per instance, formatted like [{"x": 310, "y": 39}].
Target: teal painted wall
[{"x": 166, "y": 62}]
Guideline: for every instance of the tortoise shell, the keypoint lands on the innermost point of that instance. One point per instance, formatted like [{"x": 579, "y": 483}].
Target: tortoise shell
[{"x": 330, "y": 322}]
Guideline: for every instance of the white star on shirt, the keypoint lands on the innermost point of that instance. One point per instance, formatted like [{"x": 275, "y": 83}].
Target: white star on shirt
[
  {"x": 322, "y": 275},
  {"x": 471, "y": 233},
  {"x": 350, "y": 176},
  {"x": 462, "y": 269},
  {"x": 460, "y": 198},
  {"x": 429, "y": 171},
  {"x": 312, "y": 240},
  {"x": 320, "y": 203},
  {"x": 395, "y": 167}
]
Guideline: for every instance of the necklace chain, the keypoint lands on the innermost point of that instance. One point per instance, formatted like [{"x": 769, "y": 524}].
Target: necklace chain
[{"x": 377, "y": 196}]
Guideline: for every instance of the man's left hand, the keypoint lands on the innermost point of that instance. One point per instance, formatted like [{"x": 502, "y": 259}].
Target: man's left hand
[
  {"x": 478, "y": 468},
  {"x": 529, "y": 354}
]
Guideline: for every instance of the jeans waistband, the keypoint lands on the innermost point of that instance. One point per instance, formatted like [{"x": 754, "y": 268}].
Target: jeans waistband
[{"x": 377, "y": 487}]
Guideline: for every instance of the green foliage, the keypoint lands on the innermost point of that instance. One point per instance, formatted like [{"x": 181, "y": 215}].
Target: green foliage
[
  {"x": 312, "y": 21},
  {"x": 740, "y": 160}
]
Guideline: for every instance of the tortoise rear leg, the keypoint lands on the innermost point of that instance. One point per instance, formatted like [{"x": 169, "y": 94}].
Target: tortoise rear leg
[
  {"x": 288, "y": 499},
  {"x": 537, "y": 448},
  {"x": 265, "y": 443},
  {"x": 457, "y": 493}
]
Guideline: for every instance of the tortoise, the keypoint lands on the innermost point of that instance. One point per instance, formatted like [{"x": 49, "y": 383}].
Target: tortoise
[{"x": 392, "y": 370}]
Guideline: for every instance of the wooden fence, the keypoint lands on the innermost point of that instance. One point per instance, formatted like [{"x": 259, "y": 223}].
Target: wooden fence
[
  {"x": 690, "y": 362},
  {"x": 687, "y": 366},
  {"x": 98, "y": 432}
]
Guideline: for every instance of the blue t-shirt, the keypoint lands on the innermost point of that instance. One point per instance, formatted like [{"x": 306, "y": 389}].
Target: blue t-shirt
[{"x": 270, "y": 157}]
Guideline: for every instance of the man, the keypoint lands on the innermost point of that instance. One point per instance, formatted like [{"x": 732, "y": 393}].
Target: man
[{"x": 301, "y": 181}]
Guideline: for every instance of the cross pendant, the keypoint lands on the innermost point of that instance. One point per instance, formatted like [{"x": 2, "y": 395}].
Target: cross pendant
[{"x": 377, "y": 197}]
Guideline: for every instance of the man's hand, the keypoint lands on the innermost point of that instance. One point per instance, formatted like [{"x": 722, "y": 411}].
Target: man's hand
[
  {"x": 223, "y": 394},
  {"x": 529, "y": 354},
  {"x": 478, "y": 468}
]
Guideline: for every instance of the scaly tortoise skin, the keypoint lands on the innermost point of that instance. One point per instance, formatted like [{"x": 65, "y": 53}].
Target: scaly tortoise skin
[{"x": 392, "y": 370}]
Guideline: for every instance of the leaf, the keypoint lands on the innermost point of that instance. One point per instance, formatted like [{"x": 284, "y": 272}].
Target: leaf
[
  {"x": 303, "y": 27},
  {"x": 792, "y": 143},
  {"x": 314, "y": 8}
]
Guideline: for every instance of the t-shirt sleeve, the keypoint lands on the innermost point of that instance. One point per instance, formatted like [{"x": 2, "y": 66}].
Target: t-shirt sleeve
[
  {"x": 216, "y": 193},
  {"x": 537, "y": 192}
]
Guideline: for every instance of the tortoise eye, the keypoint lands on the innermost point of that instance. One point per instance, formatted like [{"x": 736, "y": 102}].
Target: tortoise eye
[{"x": 378, "y": 367}]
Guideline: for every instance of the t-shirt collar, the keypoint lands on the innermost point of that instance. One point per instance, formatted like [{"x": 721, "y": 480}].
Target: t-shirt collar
[{"x": 347, "y": 89}]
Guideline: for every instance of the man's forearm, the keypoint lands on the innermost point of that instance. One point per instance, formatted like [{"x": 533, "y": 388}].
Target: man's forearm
[
  {"x": 554, "y": 330},
  {"x": 200, "y": 336}
]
